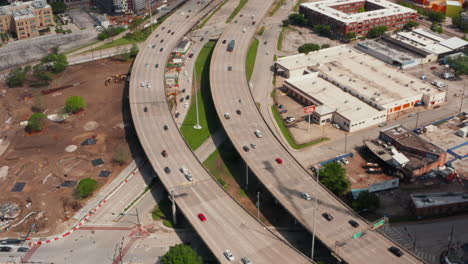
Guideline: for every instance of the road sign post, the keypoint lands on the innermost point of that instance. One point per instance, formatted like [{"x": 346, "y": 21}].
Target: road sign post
[{"x": 309, "y": 110}]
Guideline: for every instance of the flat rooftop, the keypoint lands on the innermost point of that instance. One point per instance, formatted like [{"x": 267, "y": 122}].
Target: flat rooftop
[
  {"x": 387, "y": 9},
  {"x": 421, "y": 200},
  {"x": 408, "y": 138},
  {"x": 420, "y": 38},
  {"x": 22, "y": 13},
  {"x": 395, "y": 52},
  {"x": 333, "y": 97}
]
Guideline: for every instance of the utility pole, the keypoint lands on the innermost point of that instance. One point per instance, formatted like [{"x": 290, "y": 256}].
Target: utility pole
[
  {"x": 315, "y": 214},
  {"x": 138, "y": 217},
  {"x": 417, "y": 119},
  {"x": 197, "y": 126},
  {"x": 462, "y": 97},
  {"x": 174, "y": 220},
  {"x": 151, "y": 16},
  {"x": 345, "y": 142}
]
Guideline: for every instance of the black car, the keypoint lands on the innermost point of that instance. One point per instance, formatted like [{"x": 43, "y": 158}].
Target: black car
[
  {"x": 145, "y": 109},
  {"x": 156, "y": 66},
  {"x": 224, "y": 41},
  {"x": 396, "y": 251},
  {"x": 169, "y": 31},
  {"x": 245, "y": 148},
  {"x": 5, "y": 249},
  {"x": 161, "y": 49},
  {"x": 264, "y": 43},
  {"x": 172, "y": 33},
  {"x": 177, "y": 115},
  {"x": 181, "y": 100},
  {"x": 23, "y": 249},
  {"x": 154, "y": 46},
  {"x": 201, "y": 39},
  {"x": 238, "y": 112},
  {"x": 10, "y": 241},
  {"x": 183, "y": 90},
  {"x": 353, "y": 223},
  {"x": 162, "y": 40},
  {"x": 187, "y": 97},
  {"x": 167, "y": 170},
  {"x": 327, "y": 216},
  {"x": 163, "y": 28},
  {"x": 229, "y": 68},
  {"x": 165, "y": 127},
  {"x": 157, "y": 35}
]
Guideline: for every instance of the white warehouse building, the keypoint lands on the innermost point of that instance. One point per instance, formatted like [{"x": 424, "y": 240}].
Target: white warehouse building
[{"x": 352, "y": 89}]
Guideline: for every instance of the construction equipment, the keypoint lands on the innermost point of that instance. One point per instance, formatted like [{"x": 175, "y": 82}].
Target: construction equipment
[{"x": 115, "y": 79}]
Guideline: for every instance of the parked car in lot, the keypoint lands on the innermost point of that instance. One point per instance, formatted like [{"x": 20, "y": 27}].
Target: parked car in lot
[
  {"x": 5, "y": 249},
  {"x": 201, "y": 217},
  {"x": 344, "y": 161},
  {"x": 22, "y": 249},
  {"x": 353, "y": 223},
  {"x": 383, "y": 124},
  {"x": 433, "y": 67},
  {"x": 306, "y": 196},
  {"x": 224, "y": 41},
  {"x": 189, "y": 177},
  {"x": 411, "y": 115},
  {"x": 396, "y": 251},
  {"x": 283, "y": 111},
  {"x": 227, "y": 253},
  {"x": 327, "y": 216},
  {"x": 253, "y": 145},
  {"x": 258, "y": 133}
]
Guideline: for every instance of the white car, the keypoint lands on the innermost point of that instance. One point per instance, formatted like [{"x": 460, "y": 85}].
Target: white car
[
  {"x": 189, "y": 80},
  {"x": 227, "y": 116},
  {"x": 244, "y": 30},
  {"x": 184, "y": 170},
  {"x": 306, "y": 196},
  {"x": 185, "y": 105},
  {"x": 146, "y": 65},
  {"x": 142, "y": 84},
  {"x": 148, "y": 85},
  {"x": 185, "y": 73},
  {"x": 345, "y": 161},
  {"x": 250, "y": 84},
  {"x": 258, "y": 133},
  {"x": 189, "y": 176},
  {"x": 229, "y": 255},
  {"x": 149, "y": 45}
]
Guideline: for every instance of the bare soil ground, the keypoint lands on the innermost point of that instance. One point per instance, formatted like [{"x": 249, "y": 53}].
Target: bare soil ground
[
  {"x": 298, "y": 36},
  {"x": 40, "y": 160}
]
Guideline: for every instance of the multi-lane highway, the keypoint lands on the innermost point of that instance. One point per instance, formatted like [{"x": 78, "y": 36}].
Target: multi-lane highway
[
  {"x": 285, "y": 181},
  {"x": 228, "y": 225}
]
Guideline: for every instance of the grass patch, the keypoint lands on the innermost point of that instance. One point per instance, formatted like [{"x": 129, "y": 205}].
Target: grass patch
[
  {"x": 296, "y": 6},
  {"x": 82, "y": 47},
  {"x": 287, "y": 133},
  {"x": 278, "y": 5},
  {"x": 168, "y": 223},
  {"x": 243, "y": 193},
  {"x": 207, "y": 112},
  {"x": 440, "y": 123},
  {"x": 157, "y": 213},
  {"x": 260, "y": 32},
  {"x": 236, "y": 10},
  {"x": 118, "y": 42},
  {"x": 212, "y": 13},
  {"x": 258, "y": 104},
  {"x": 251, "y": 57},
  {"x": 279, "y": 44},
  {"x": 224, "y": 163}
]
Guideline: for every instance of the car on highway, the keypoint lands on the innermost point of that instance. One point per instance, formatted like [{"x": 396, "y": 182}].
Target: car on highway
[
  {"x": 201, "y": 217},
  {"x": 157, "y": 35},
  {"x": 149, "y": 45},
  {"x": 167, "y": 170},
  {"x": 146, "y": 65},
  {"x": 148, "y": 85},
  {"x": 238, "y": 112},
  {"x": 258, "y": 133},
  {"x": 163, "y": 28},
  {"x": 345, "y": 161},
  {"x": 189, "y": 80},
  {"x": 279, "y": 161},
  {"x": 173, "y": 31},
  {"x": 250, "y": 84},
  {"x": 5, "y": 249},
  {"x": 241, "y": 15},
  {"x": 165, "y": 127},
  {"x": 181, "y": 99},
  {"x": 164, "y": 153},
  {"x": 306, "y": 196},
  {"x": 162, "y": 40},
  {"x": 244, "y": 30},
  {"x": 353, "y": 223},
  {"x": 383, "y": 124},
  {"x": 246, "y": 260},
  {"x": 187, "y": 97},
  {"x": 265, "y": 42},
  {"x": 169, "y": 31},
  {"x": 423, "y": 77},
  {"x": 145, "y": 109},
  {"x": 183, "y": 169},
  {"x": 411, "y": 115},
  {"x": 185, "y": 105},
  {"x": 156, "y": 65},
  {"x": 183, "y": 90},
  {"x": 227, "y": 253},
  {"x": 189, "y": 176},
  {"x": 227, "y": 116},
  {"x": 161, "y": 49},
  {"x": 327, "y": 216},
  {"x": 253, "y": 23},
  {"x": 22, "y": 249},
  {"x": 224, "y": 41},
  {"x": 229, "y": 68},
  {"x": 154, "y": 46},
  {"x": 142, "y": 84},
  {"x": 246, "y": 149},
  {"x": 10, "y": 241},
  {"x": 177, "y": 115},
  {"x": 396, "y": 251},
  {"x": 253, "y": 145}
]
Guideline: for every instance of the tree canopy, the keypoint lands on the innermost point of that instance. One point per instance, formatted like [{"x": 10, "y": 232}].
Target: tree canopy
[
  {"x": 308, "y": 47},
  {"x": 333, "y": 176},
  {"x": 58, "y": 61},
  {"x": 350, "y": 35},
  {"x": 58, "y": 6},
  {"x": 36, "y": 122},
  {"x": 297, "y": 19},
  {"x": 85, "y": 188},
  {"x": 17, "y": 76},
  {"x": 436, "y": 16},
  {"x": 181, "y": 254},
  {"x": 323, "y": 30},
  {"x": 366, "y": 201},
  {"x": 75, "y": 104},
  {"x": 460, "y": 64},
  {"x": 462, "y": 25},
  {"x": 411, "y": 24},
  {"x": 377, "y": 32}
]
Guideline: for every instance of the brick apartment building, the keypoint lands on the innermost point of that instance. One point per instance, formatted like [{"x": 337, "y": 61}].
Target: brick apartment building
[
  {"x": 357, "y": 16},
  {"x": 23, "y": 20}
]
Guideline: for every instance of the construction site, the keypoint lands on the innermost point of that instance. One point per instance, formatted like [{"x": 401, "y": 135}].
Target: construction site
[{"x": 39, "y": 172}]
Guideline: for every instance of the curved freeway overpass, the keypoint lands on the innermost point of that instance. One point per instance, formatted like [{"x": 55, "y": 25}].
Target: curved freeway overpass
[
  {"x": 285, "y": 181},
  {"x": 228, "y": 225}
]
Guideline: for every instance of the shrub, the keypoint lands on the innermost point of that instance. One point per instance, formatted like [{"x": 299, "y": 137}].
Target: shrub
[
  {"x": 86, "y": 187},
  {"x": 297, "y": 19},
  {"x": 110, "y": 32},
  {"x": 366, "y": 201},
  {"x": 181, "y": 253},
  {"x": 323, "y": 30},
  {"x": 377, "y": 32},
  {"x": 308, "y": 47},
  {"x": 411, "y": 24},
  {"x": 350, "y": 35},
  {"x": 17, "y": 76},
  {"x": 75, "y": 104},
  {"x": 333, "y": 176},
  {"x": 36, "y": 122}
]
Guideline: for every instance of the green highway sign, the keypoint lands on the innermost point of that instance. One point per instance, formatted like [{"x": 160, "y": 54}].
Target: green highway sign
[
  {"x": 357, "y": 235},
  {"x": 378, "y": 224}
]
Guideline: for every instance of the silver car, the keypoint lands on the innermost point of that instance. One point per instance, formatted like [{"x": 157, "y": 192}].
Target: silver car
[
  {"x": 246, "y": 260},
  {"x": 306, "y": 196},
  {"x": 227, "y": 253}
]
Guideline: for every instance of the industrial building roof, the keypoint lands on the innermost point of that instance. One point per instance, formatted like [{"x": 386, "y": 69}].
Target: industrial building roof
[
  {"x": 454, "y": 43},
  {"x": 395, "y": 52},
  {"x": 326, "y": 7},
  {"x": 408, "y": 138},
  {"x": 422, "y": 200},
  {"x": 333, "y": 97},
  {"x": 422, "y": 41},
  {"x": 453, "y": 3}
]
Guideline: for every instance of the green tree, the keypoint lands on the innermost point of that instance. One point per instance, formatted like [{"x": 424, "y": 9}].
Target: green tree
[
  {"x": 411, "y": 24},
  {"x": 134, "y": 51},
  {"x": 58, "y": 6},
  {"x": 41, "y": 74},
  {"x": 462, "y": 25},
  {"x": 75, "y": 104},
  {"x": 377, "y": 32},
  {"x": 285, "y": 23},
  {"x": 460, "y": 64},
  {"x": 58, "y": 61},
  {"x": 323, "y": 30},
  {"x": 36, "y": 122},
  {"x": 405, "y": 4},
  {"x": 366, "y": 201},
  {"x": 350, "y": 35},
  {"x": 362, "y": 9},
  {"x": 297, "y": 19},
  {"x": 308, "y": 47},
  {"x": 333, "y": 176},
  {"x": 17, "y": 76},
  {"x": 85, "y": 188},
  {"x": 324, "y": 46},
  {"x": 181, "y": 254},
  {"x": 436, "y": 16}
]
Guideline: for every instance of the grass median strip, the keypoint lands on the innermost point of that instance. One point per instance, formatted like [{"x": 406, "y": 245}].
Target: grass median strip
[
  {"x": 223, "y": 164},
  {"x": 287, "y": 133},
  {"x": 296, "y": 6},
  {"x": 279, "y": 44},
  {"x": 212, "y": 14},
  {"x": 241, "y": 4},
  {"x": 207, "y": 112},
  {"x": 251, "y": 57},
  {"x": 278, "y": 4},
  {"x": 260, "y": 32}
]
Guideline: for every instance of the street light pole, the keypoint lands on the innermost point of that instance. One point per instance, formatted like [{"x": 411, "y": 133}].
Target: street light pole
[
  {"x": 197, "y": 126},
  {"x": 174, "y": 220},
  {"x": 315, "y": 213}
]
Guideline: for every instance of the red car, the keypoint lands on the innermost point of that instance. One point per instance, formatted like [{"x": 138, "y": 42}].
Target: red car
[
  {"x": 433, "y": 67},
  {"x": 202, "y": 217},
  {"x": 164, "y": 153},
  {"x": 279, "y": 161}
]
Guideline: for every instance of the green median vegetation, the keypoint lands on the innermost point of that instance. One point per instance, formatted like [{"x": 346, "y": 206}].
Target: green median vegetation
[
  {"x": 260, "y": 32},
  {"x": 207, "y": 112},
  {"x": 296, "y": 6},
  {"x": 279, "y": 44},
  {"x": 212, "y": 14},
  {"x": 287, "y": 134},
  {"x": 278, "y": 4},
  {"x": 241, "y": 4},
  {"x": 225, "y": 163},
  {"x": 251, "y": 57}
]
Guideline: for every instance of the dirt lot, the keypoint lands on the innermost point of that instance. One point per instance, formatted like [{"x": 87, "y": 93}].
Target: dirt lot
[
  {"x": 41, "y": 161},
  {"x": 298, "y": 36}
]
